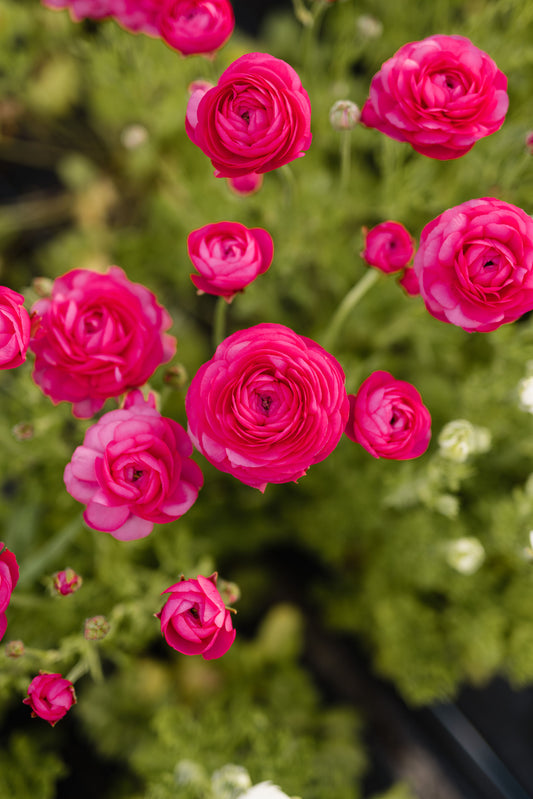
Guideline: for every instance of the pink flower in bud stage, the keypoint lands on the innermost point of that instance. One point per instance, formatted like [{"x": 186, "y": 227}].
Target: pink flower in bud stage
[
  {"x": 84, "y": 9},
  {"x": 440, "y": 95},
  {"x": 409, "y": 282},
  {"x": 475, "y": 264},
  {"x": 138, "y": 16},
  {"x": 50, "y": 697},
  {"x": 388, "y": 246},
  {"x": 268, "y": 405},
  {"x": 194, "y": 619},
  {"x": 133, "y": 470},
  {"x": 388, "y": 418},
  {"x": 14, "y": 329},
  {"x": 257, "y": 118},
  {"x": 196, "y": 27},
  {"x": 246, "y": 184},
  {"x": 96, "y": 337},
  {"x": 9, "y": 575},
  {"x": 228, "y": 256},
  {"x": 66, "y": 582}
]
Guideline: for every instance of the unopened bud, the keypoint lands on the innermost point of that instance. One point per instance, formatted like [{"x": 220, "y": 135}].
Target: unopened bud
[
  {"x": 42, "y": 286},
  {"x": 230, "y": 592},
  {"x": 460, "y": 438},
  {"x": 190, "y": 774},
  {"x": 230, "y": 781},
  {"x": 14, "y": 649},
  {"x": 246, "y": 184},
  {"x": 23, "y": 431},
  {"x": 525, "y": 394},
  {"x": 465, "y": 555},
  {"x": 133, "y": 136},
  {"x": 96, "y": 628},
  {"x": 344, "y": 115},
  {"x": 66, "y": 582},
  {"x": 369, "y": 27},
  {"x": 176, "y": 377}
]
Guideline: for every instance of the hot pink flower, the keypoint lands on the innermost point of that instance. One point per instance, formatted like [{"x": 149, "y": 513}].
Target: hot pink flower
[
  {"x": 97, "y": 336},
  {"x": 9, "y": 575},
  {"x": 268, "y": 405},
  {"x": 409, "y": 282},
  {"x": 196, "y": 27},
  {"x": 67, "y": 582},
  {"x": 246, "y": 184},
  {"x": 441, "y": 95},
  {"x": 228, "y": 257},
  {"x": 388, "y": 418},
  {"x": 257, "y": 118},
  {"x": 14, "y": 329},
  {"x": 50, "y": 697},
  {"x": 194, "y": 619},
  {"x": 138, "y": 16},
  {"x": 475, "y": 264},
  {"x": 388, "y": 247},
  {"x": 133, "y": 470},
  {"x": 84, "y": 9}
]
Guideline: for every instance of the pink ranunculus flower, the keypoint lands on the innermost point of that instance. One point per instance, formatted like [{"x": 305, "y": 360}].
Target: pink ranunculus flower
[
  {"x": 9, "y": 575},
  {"x": 66, "y": 582},
  {"x": 84, "y": 9},
  {"x": 196, "y": 27},
  {"x": 246, "y": 184},
  {"x": 14, "y": 329},
  {"x": 228, "y": 256},
  {"x": 475, "y": 264},
  {"x": 388, "y": 418},
  {"x": 388, "y": 246},
  {"x": 409, "y": 282},
  {"x": 440, "y": 95},
  {"x": 50, "y": 697},
  {"x": 133, "y": 470},
  {"x": 194, "y": 619},
  {"x": 257, "y": 118},
  {"x": 138, "y": 16},
  {"x": 268, "y": 405},
  {"x": 97, "y": 336}
]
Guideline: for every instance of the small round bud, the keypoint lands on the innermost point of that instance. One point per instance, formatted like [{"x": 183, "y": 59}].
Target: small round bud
[
  {"x": 23, "y": 431},
  {"x": 465, "y": 555},
  {"x": 14, "y": 649},
  {"x": 42, "y": 286},
  {"x": 96, "y": 628},
  {"x": 133, "y": 136},
  {"x": 230, "y": 781},
  {"x": 369, "y": 27},
  {"x": 66, "y": 582},
  {"x": 344, "y": 115},
  {"x": 525, "y": 394},
  {"x": 246, "y": 184},
  {"x": 176, "y": 377},
  {"x": 230, "y": 592}
]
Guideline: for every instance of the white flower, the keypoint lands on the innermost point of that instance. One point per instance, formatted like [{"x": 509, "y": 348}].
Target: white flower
[
  {"x": 525, "y": 394},
  {"x": 264, "y": 790},
  {"x": 230, "y": 781},
  {"x": 465, "y": 555},
  {"x": 460, "y": 438}
]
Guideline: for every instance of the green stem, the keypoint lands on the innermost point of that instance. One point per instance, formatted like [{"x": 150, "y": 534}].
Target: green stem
[
  {"x": 346, "y": 152},
  {"x": 289, "y": 183},
  {"x": 77, "y": 671},
  {"x": 93, "y": 661},
  {"x": 347, "y": 305},
  {"x": 219, "y": 323},
  {"x": 39, "y": 562}
]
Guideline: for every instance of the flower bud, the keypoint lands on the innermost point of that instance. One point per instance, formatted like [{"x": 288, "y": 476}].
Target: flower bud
[
  {"x": 96, "y": 628},
  {"x": 525, "y": 394},
  {"x": 133, "y": 136},
  {"x": 369, "y": 27},
  {"x": 344, "y": 115},
  {"x": 188, "y": 773},
  {"x": 529, "y": 142},
  {"x": 23, "y": 431},
  {"x": 459, "y": 439},
  {"x": 230, "y": 592},
  {"x": 14, "y": 649},
  {"x": 465, "y": 555},
  {"x": 42, "y": 286},
  {"x": 176, "y": 377},
  {"x": 230, "y": 781},
  {"x": 66, "y": 582},
  {"x": 246, "y": 184}
]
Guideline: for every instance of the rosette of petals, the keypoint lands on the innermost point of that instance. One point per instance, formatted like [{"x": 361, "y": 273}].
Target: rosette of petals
[
  {"x": 388, "y": 418},
  {"x": 228, "y": 256},
  {"x": 196, "y": 27},
  {"x": 475, "y": 264},
  {"x": 50, "y": 697},
  {"x": 268, "y": 405},
  {"x": 388, "y": 246},
  {"x": 440, "y": 95},
  {"x": 97, "y": 336},
  {"x": 257, "y": 118},
  {"x": 133, "y": 470},
  {"x": 9, "y": 575},
  {"x": 14, "y": 329},
  {"x": 194, "y": 619}
]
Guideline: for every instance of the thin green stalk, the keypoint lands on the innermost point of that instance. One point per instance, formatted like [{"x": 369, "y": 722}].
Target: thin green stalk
[
  {"x": 219, "y": 322},
  {"x": 47, "y": 554},
  {"x": 347, "y": 305},
  {"x": 346, "y": 153}
]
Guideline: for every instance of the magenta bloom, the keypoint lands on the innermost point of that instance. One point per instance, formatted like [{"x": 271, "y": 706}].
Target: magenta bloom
[
  {"x": 268, "y": 405},
  {"x": 50, "y": 697},
  {"x": 133, "y": 470},
  {"x": 67, "y": 582},
  {"x": 257, "y": 118},
  {"x": 138, "y": 16},
  {"x": 475, "y": 264},
  {"x": 194, "y": 619},
  {"x": 228, "y": 256},
  {"x": 84, "y": 9},
  {"x": 440, "y": 95},
  {"x": 388, "y": 418},
  {"x": 409, "y": 282},
  {"x": 388, "y": 246},
  {"x": 9, "y": 575},
  {"x": 246, "y": 184},
  {"x": 14, "y": 329},
  {"x": 195, "y": 27},
  {"x": 97, "y": 337}
]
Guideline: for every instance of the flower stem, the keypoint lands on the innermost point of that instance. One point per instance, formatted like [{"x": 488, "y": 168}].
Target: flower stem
[
  {"x": 219, "y": 322},
  {"x": 346, "y": 152},
  {"x": 347, "y": 305}
]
